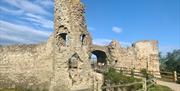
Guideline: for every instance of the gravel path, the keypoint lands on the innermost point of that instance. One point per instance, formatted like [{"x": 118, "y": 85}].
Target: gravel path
[{"x": 173, "y": 86}]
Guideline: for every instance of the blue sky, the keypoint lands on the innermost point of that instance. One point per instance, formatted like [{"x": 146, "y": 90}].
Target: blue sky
[{"x": 31, "y": 21}]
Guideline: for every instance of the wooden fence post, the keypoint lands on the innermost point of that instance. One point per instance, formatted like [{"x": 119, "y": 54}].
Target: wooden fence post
[
  {"x": 144, "y": 84},
  {"x": 174, "y": 76}
]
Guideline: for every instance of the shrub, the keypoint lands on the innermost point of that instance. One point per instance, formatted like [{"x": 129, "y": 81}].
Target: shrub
[{"x": 112, "y": 77}]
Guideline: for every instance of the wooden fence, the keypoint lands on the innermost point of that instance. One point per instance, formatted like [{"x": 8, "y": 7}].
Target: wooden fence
[
  {"x": 166, "y": 76},
  {"x": 146, "y": 84},
  {"x": 88, "y": 89},
  {"x": 170, "y": 76}
]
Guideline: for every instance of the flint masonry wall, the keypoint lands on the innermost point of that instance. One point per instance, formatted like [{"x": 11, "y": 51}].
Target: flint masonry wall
[
  {"x": 141, "y": 55},
  {"x": 121, "y": 57},
  {"x": 26, "y": 66},
  {"x": 147, "y": 55}
]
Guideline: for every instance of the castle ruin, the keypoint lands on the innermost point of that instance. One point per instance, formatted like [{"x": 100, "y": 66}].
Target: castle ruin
[{"x": 63, "y": 62}]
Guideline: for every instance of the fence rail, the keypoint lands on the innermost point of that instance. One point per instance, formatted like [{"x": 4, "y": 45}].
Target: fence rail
[
  {"x": 88, "y": 89},
  {"x": 144, "y": 82},
  {"x": 167, "y": 76},
  {"x": 122, "y": 85},
  {"x": 170, "y": 76}
]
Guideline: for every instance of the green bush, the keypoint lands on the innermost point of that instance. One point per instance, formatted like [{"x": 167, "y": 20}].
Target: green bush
[
  {"x": 112, "y": 77},
  {"x": 117, "y": 77}
]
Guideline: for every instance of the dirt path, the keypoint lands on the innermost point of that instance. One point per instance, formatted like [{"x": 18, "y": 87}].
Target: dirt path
[{"x": 173, "y": 86}]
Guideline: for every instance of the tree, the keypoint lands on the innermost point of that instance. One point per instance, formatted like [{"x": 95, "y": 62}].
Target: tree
[{"x": 171, "y": 62}]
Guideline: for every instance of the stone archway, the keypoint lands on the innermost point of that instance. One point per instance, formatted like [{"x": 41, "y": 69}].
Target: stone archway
[
  {"x": 101, "y": 56},
  {"x": 101, "y": 61}
]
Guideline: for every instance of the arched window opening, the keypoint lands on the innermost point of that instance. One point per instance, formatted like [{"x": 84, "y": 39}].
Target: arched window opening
[{"x": 63, "y": 39}]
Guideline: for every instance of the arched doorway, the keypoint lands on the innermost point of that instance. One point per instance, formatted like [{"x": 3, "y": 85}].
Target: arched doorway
[{"x": 98, "y": 59}]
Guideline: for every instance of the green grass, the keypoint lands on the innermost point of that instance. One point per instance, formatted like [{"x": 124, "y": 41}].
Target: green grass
[
  {"x": 160, "y": 88},
  {"x": 21, "y": 89},
  {"x": 7, "y": 89}
]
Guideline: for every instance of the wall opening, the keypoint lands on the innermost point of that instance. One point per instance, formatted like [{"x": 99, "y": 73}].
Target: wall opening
[
  {"x": 99, "y": 59},
  {"x": 82, "y": 38},
  {"x": 63, "y": 39},
  {"x": 73, "y": 61},
  {"x": 93, "y": 60}
]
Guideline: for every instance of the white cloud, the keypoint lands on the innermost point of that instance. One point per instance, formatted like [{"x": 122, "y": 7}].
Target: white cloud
[
  {"x": 116, "y": 29},
  {"x": 105, "y": 42},
  {"x": 16, "y": 39},
  {"x": 11, "y": 11},
  {"x": 28, "y": 6},
  {"x": 20, "y": 33},
  {"x": 125, "y": 44},
  {"x": 21, "y": 28},
  {"x": 45, "y": 3},
  {"x": 102, "y": 42},
  {"x": 28, "y": 22},
  {"x": 40, "y": 20}
]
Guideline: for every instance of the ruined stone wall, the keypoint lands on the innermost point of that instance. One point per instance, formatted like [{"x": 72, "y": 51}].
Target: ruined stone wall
[
  {"x": 141, "y": 55},
  {"x": 121, "y": 57},
  {"x": 147, "y": 54},
  {"x": 29, "y": 66}
]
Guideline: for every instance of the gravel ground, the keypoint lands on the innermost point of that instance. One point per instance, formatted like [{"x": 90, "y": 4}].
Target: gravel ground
[{"x": 173, "y": 86}]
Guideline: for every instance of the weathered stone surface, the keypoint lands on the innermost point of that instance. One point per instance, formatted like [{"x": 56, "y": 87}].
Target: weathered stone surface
[
  {"x": 21, "y": 63},
  {"x": 63, "y": 62},
  {"x": 141, "y": 55}
]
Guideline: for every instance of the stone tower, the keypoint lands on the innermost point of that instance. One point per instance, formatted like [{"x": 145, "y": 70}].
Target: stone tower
[
  {"x": 70, "y": 27},
  {"x": 72, "y": 69}
]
